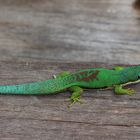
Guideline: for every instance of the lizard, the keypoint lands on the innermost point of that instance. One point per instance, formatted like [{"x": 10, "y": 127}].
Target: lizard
[{"x": 98, "y": 78}]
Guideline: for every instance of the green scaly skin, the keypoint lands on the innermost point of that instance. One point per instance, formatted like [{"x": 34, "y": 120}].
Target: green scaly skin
[{"x": 76, "y": 82}]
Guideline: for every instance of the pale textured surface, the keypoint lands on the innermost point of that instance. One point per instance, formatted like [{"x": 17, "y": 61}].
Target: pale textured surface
[{"x": 70, "y": 30}]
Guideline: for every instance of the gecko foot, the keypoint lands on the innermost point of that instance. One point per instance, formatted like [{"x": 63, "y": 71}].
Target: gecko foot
[
  {"x": 73, "y": 101},
  {"x": 130, "y": 91},
  {"x": 120, "y": 90}
]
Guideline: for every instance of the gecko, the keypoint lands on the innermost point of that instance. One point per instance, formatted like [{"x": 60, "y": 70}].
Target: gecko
[{"x": 97, "y": 78}]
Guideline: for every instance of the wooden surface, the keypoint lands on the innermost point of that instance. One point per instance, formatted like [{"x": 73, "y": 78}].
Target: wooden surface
[
  {"x": 70, "y": 30},
  {"x": 102, "y": 116},
  {"x": 36, "y": 35}
]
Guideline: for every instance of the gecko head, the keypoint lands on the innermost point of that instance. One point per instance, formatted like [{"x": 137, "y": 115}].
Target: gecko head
[
  {"x": 139, "y": 75},
  {"x": 135, "y": 77},
  {"x": 138, "y": 72},
  {"x": 133, "y": 73}
]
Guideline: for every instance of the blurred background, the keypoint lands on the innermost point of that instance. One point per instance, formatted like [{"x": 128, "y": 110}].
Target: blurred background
[{"x": 105, "y": 31}]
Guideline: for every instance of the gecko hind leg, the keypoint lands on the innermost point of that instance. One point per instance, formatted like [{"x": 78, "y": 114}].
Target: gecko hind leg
[
  {"x": 119, "y": 90},
  {"x": 77, "y": 91},
  {"x": 76, "y": 95},
  {"x": 118, "y": 68},
  {"x": 61, "y": 74}
]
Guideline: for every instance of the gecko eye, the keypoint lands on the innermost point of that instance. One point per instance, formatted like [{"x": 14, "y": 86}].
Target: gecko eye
[{"x": 139, "y": 77}]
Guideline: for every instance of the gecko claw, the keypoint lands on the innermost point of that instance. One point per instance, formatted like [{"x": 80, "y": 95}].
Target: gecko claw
[
  {"x": 130, "y": 91},
  {"x": 73, "y": 101}
]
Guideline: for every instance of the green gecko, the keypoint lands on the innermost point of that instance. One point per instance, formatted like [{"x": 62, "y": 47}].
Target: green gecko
[{"x": 89, "y": 78}]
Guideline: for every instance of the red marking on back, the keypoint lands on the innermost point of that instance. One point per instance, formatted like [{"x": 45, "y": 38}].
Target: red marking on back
[
  {"x": 82, "y": 73},
  {"x": 90, "y": 77}
]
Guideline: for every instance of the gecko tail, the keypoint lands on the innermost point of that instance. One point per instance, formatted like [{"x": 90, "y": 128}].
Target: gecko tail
[{"x": 44, "y": 87}]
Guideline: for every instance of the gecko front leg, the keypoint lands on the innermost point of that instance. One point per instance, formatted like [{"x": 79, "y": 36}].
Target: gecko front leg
[{"x": 119, "y": 90}]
